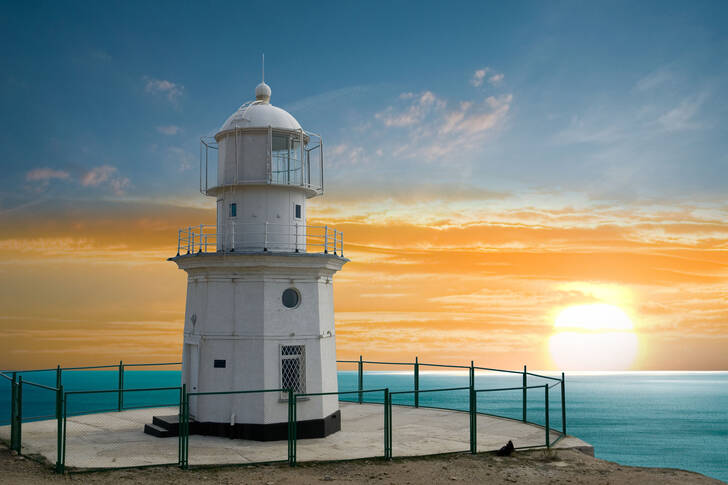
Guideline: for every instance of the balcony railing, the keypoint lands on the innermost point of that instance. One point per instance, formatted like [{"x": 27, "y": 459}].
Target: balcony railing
[{"x": 261, "y": 236}]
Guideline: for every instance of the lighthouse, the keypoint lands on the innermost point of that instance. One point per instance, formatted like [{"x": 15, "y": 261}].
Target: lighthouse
[{"x": 260, "y": 307}]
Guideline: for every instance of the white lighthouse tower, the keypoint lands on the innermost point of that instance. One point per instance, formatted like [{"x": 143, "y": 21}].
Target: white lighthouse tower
[{"x": 260, "y": 307}]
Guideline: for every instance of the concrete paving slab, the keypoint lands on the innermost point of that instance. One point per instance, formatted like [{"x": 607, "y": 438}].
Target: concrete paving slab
[{"x": 117, "y": 439}]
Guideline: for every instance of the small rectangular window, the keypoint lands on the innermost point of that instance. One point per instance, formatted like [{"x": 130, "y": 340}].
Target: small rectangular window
[
  {"x": 233, "y": 210},
  {"x": 293, "y": 368},
  {"x": 219, "y": 364},
  {"x": 298, "y": 211}
]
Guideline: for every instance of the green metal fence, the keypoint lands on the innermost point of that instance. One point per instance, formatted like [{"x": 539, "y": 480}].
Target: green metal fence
[{"x": 64, "y": 399}]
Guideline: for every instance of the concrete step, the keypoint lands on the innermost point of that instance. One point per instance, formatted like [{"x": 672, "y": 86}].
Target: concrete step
[
  {"x": 158, "y": 431},
  {"x": 170, "y": 423}
]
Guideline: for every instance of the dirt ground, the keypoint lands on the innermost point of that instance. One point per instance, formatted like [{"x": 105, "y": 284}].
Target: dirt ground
[{"x": 536, "y": 467}]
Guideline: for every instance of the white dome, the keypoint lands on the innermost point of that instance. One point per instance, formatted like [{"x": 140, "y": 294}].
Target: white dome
[{"x": 261, "y": 114}]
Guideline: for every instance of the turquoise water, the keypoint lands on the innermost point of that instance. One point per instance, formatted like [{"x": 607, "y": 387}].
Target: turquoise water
[{"x": 658, "y": 419}]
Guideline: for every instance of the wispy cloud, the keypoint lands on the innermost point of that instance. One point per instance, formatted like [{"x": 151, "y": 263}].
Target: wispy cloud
[
  {"x": 46, "y": 174},
  {"x": 163, "y": 87},
  {"x": 496, "y": 78},
  {"x": 682, "y": 116},
  {"x": 106, "y": 175},
  {"x": 434, "y": 129},
  {"x": 42, "y": 177},
  {"x": 420, "y": 106},
  {"x": 168, "y": 129},
  {"x": 654, "y": 79},
  {"x": 480, "y": 76}
]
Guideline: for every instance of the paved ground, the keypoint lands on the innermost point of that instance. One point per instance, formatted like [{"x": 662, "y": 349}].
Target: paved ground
[{"x": 117, "y": 439}]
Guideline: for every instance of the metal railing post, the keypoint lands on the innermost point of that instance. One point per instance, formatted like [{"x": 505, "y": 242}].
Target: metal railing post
[
  {"x": 180, "y": 413},
  {"x": 388, "y": 429},
  {"x": 524, "y": 393},
  {"x": 473, "y": 422},
  {"x": 291, "y": 461},
  {"x": 386, "y": 424},
  {"x": 179, "y": 240},
  {"x": 341, "y": 244},
  {"x": 546, "y": 397},
  {"x": 295, "y": 431},
  {"x": 59, "y": 430},
  {"x": 185, "y": 427},
  {"x": 19, "y": 416},
  {"x": 326, "y": 239},
  {"x": 361, "y": 379},
  {"x": 563, "y": 404},
  {"x": 58, "y": 376},
  {"x": 13, "y": 412},
  {"x": 199, "y": 245},
  {"x": 64, "y": 410},
  {"x": 473, "y": 444},
  {"x": 296, "y": 247},
  {"x": 189, "y": 238},
  {"x": 121, "y": 385},
  {"x": 334, "y": 242},
  {"x": 417, "y": 381}
]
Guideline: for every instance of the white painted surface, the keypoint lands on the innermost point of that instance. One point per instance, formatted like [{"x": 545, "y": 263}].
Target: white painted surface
[
  {"x": 239, "y": 317},
  {"x": 234, "y": 309}
]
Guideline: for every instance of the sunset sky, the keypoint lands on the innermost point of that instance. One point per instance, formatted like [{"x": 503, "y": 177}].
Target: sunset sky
[{"x": 490, "y": 165}]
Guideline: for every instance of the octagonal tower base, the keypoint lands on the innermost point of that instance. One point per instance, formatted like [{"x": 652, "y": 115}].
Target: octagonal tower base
[{"x": 260, "y": 321}]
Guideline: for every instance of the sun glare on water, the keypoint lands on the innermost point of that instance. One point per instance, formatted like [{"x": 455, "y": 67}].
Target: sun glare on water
[{"x": 597, "y": 336}]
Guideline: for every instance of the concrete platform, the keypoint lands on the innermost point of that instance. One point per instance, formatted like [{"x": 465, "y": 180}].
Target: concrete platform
[{"x": 117, "y": 439}]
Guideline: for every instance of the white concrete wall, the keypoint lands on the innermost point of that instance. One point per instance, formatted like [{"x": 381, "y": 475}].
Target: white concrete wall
[
  {"x": 240, "y": 318},
  {"x": 261, "y": 210}
]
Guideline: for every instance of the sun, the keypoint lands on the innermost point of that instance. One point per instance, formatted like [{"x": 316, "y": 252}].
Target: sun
[{"x": 597, "y": 336}]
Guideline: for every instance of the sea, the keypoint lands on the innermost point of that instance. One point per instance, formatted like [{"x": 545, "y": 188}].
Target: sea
[{"x": 651, "y": 419}]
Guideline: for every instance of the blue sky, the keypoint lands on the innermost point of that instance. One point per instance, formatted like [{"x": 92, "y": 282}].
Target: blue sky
[
  {"x": 489, "y": 163},
  {"x": 603, "y": 100}
]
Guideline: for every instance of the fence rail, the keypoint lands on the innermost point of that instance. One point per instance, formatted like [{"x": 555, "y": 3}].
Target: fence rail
[{"x": 62, "y": 411}]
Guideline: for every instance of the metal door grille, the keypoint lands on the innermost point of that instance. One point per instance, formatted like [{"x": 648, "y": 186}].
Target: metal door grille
[{"x": 293, "y": 368}]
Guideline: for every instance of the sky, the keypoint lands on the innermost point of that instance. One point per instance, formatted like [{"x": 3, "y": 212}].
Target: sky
[{"x": 492, "y": 165}]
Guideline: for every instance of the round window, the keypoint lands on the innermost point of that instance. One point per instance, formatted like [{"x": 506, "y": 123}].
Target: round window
[{"x": 291, "y": 298}]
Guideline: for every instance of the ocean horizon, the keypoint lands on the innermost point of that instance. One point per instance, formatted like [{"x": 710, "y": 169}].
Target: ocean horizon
[{"x": 674, "y": 419}]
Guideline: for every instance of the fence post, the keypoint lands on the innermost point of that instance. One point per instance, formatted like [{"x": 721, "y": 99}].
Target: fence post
[
  {"x": 13, "y": 412},
  {"x": 525, "y": 383},
  {"x": 295, "y": 431},
  {"x": 64, "y": 409},
  {"x": 546, "y": 396},
  {"x": 388, "y": 428},
  {"x": 58, "y": 376},
  {"x": 473, "y": 422},
  {"x": 19, "y": 416},
  {"x": 361, "y": 379},
  {"x": 386, "y": 424},
  {"x": 473, "y": 443},
  {"x": 326, "y": 239},
  {"x": 59, "y": 430},
  {"x": 121, "y": 385},
  {"x": 563, "y": 405},
  {"x": 185, "y": 427},
  {"x": 189, "y": 237},
  {"x": 290, "y": 428},
  {"x": 417, "y": 381}
]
